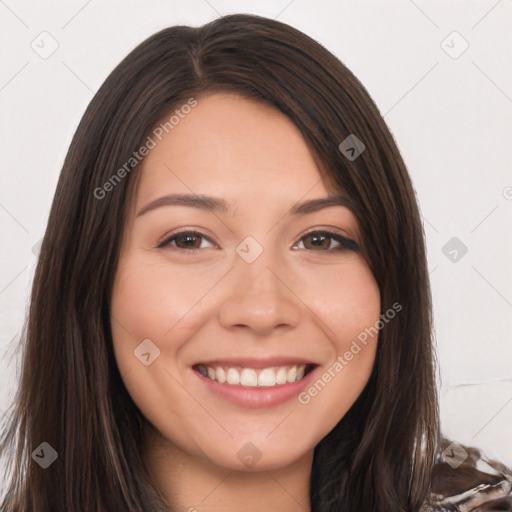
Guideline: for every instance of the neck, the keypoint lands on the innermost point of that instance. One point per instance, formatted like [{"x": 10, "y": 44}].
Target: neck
[{"x": 193, "y": 484}]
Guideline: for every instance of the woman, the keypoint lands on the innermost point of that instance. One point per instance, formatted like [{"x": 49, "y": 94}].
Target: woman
[{"x": 231, "y": 308}]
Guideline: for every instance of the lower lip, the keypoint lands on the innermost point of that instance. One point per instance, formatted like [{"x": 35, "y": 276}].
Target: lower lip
[{"x": 256, "y": 397}]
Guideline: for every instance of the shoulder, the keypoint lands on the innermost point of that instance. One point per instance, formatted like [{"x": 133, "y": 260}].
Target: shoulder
[{"x": 466, "y": 480}]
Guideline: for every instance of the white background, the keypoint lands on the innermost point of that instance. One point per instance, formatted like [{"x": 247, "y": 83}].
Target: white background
[{"x": 451, "y": 118}]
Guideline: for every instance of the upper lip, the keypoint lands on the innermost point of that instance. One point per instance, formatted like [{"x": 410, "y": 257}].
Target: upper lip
[{"x": 255, "y": 362}]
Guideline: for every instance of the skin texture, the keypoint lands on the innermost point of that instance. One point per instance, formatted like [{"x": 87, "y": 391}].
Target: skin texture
[{"x": 208, "y": 303}]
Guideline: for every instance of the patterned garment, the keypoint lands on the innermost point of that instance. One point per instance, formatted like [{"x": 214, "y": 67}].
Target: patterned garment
[{"x": 464, "y": 480}]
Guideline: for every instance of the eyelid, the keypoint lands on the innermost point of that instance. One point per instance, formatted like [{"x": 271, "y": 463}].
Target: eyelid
[
  {"x": 334, "y": 233},
  {"x": 193, "y": 231},
  {"x": 328, "y": 229}
]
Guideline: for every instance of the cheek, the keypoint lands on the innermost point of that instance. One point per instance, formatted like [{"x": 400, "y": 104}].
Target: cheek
[
  {"x": 143, "y": 307},
  {"x": 159, "y": 302},
  {"x": 349, "y": 308},
  {"x": 148, "y": 299},
  {"x": 347, "y": 304}
]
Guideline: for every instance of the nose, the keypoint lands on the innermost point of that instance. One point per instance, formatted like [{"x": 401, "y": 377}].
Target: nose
[{"x": 259, "y": 297}]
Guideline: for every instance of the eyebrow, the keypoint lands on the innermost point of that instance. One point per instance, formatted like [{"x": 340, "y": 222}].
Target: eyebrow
[{"x": 218, "y": 205}]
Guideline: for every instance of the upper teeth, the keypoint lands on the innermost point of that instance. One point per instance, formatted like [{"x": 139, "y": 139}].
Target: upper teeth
[{"x": 272, "y": 376}]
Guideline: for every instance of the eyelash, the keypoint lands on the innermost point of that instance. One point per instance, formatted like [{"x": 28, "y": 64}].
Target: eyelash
[{"x": 345, "y": 243}]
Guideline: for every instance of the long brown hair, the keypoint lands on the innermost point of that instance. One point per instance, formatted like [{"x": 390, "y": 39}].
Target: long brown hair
[{"x": 71, "y": 396}]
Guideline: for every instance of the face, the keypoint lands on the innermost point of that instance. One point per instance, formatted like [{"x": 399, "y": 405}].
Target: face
[{"x": 234, "y": 318}]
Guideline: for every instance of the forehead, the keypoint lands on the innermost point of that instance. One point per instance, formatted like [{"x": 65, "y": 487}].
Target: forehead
[{"x": 232, "y": 147}]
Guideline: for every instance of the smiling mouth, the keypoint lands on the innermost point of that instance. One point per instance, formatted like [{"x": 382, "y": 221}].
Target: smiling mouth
[{"x": 251, "y": 377}]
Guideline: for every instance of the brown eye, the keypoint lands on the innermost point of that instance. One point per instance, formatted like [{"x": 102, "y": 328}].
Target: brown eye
[
  {"x": 318, "y": 241},
  {"x": 186, "y": 240},
  {"x": 321, "y": 241}
]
